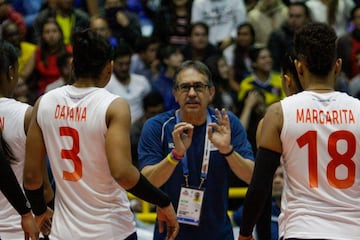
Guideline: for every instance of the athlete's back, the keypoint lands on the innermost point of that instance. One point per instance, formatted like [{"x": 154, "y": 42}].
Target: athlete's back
[
  {"x": 89, "y": 203},
  {"x": 12, "y": 117},
  {"x": 321, "y": 158}
]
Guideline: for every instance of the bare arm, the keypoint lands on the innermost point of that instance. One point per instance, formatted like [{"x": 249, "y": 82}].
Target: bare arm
[
  {"x": 159, "y": 173},
  {"x": 35, "y": 154},
  {"x": 270, "y": 132},
  {"x": 242, "y": 167},
  {"x": 117, "y": 144}
]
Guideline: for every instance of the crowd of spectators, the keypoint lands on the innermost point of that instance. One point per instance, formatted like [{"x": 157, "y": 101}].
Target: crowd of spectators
[
  {"x": 241, "y": 41},
  {"x": 199, "y": 30}
]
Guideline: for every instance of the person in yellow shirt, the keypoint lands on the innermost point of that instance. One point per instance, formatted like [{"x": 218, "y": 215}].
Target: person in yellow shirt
[
  {"x": 68, "y": 17},
  {"x": 11, "y": 34},
  {"x": 263, "y": 77}
]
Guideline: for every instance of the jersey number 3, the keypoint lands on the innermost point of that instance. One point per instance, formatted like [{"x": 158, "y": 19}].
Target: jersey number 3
[
  {"x": 337, "y": 158},
  {"x": 72, "y": 154}
]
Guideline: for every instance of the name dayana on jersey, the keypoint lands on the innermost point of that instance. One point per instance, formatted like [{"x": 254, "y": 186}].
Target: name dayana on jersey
[{"x": 77, "y": 114}]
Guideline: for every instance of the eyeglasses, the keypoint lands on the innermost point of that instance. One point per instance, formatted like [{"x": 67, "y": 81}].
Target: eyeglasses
[{"x": 198, "y": 87}]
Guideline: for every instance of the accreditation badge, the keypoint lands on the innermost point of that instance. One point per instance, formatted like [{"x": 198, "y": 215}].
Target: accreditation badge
[{"x": 189, "y": 207}]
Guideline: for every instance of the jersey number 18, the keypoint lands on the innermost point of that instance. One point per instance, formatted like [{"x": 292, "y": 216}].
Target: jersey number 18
[{"x": 337, "y": 158}]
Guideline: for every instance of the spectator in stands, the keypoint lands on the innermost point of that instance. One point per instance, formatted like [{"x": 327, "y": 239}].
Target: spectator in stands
[
  {"x": 145, "y": 61},
  {"x": 237, "y": 55},
  {"x": 92, "y": 7},
  {"x": 354, "y": 83},
  {"x": 267, "y": 16},
  {"x": 263, "y": 77},
  {"x": 336, "y": 13},
  {"x": 7, "y": 12},
  {"x": 64, "y": 63},
  {"x": 251, "y": 110},
  {"x": 171, "y": 25},
  {"x": 145, "y": 14},
  {"x": 222, "y": 18},
  {"x": 25, "y": 50},
  {"x": 29, "y": 10},
  {"x": 153, "y": 104},
  {"x": 280, "y": 41},
  {"x": 170, "y": 58},
  {"x": 42, "y": 68},
  {"x": 10, "y": 32},
  {"x": 250, "y": 4},
  {"x": 224, "y": 96},
  {"x": 199, "y": 48},
  {"x": 131, "y": 87},
  {"x": 349, "y": 44},
  {"x": 124, "y": 25},
  {"x": 101, "y": 26},
  {"x": 68, "y": 18}
]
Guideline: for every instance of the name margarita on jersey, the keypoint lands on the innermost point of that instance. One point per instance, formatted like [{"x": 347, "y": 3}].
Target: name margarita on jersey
[
  {"x": 316, "y": 116},
  {"x": 77, "y": 114}
]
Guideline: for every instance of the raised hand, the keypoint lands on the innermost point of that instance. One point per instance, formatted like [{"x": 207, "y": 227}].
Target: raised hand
[
  {"x": 167, "y": 216},
  {"x": 182, "y": 136},
  {"x": 220, "y": 133}
]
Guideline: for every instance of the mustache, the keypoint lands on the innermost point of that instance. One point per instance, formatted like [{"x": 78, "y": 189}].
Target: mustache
[{"x": 192, "y": 101}]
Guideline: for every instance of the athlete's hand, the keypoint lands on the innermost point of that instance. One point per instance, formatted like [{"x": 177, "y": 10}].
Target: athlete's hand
[
  {"x": 44, "y": 220},
  {"x": 28, "y": 224},
  {"x": 167, "y": 215}
]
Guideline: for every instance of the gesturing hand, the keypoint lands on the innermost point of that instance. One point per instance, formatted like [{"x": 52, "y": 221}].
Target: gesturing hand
[
  {"x": 220, "y": 133},
  {"x": 182, "y": 136}
]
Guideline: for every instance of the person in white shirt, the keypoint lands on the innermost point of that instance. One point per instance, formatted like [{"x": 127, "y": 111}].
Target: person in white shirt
[
  {"x": 132, "y": 87},
  {"x": 336, "y": 13},
  {"x": 222, "y": 17}
]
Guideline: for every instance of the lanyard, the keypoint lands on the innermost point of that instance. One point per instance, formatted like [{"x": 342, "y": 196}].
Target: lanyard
[{"x": 206, "y": 155}]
